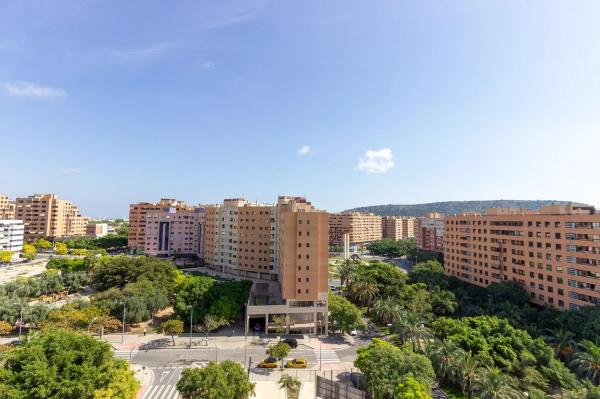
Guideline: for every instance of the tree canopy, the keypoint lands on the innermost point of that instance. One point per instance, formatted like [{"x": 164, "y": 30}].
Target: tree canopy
[
  {"x": 386, "y": 366},
  {"x": 67, "y": 365},
  {"x": 225, "y": 380}
]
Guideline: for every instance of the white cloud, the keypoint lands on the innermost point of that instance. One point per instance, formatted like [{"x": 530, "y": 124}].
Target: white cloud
[
  {"x": 376, "y": 161},
  {"x": 28, "y": 89},
  {"x": 207, "y": 65},
  {"x": 70, "y": 171},
  {"x": 304, "y": 150}
]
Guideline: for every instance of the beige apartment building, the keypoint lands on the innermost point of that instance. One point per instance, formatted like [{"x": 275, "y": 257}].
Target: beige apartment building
[
  {"x": 362, "y": 228},
  {"x": 283, "y": 247},
  {"x": 398, "y": 227},
  {"x": 136, "y": 240},
  {"x": 45, "y": 215},
  {"x": 7, "y": 208},
  {"x": 554, "y": 252},
  {"x": 430, "y": 232},
  {"x": 172, "y": 231},
  {"x": 96, "y": 229}
]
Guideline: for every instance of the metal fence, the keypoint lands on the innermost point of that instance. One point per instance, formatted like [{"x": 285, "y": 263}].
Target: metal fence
[
  {"x": 329, "y": 389},
  {"x": 258, "y": 374}
]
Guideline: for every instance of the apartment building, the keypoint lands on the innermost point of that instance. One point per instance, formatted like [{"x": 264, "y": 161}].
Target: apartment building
[
  {"x": 398, "y": 227},
  {"x": 430, "y": 232},
  {"x": 172, "y": 231},
  {"x": 362, "y": 228},
  {"x": 7, "y": 208},
  {"x": 554, "y": 252},
  {"x": 11, "y": 236},
  {"x": 45, "y": 215},
  {"x": 136, "y": 240},
  {"x": 283, "y": 247}
]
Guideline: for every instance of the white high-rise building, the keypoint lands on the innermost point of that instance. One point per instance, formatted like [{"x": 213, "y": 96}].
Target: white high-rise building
[{"x": 11, "y": 236}]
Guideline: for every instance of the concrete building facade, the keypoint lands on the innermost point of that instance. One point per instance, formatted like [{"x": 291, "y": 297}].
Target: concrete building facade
[
  {"x": 362, "y": 228},
  {"x": 554, "y": 252},
  {"x": 398, "y": 227},
  {"x": 172, "y": 231},
  {"x": 430, "y": 232},
  {"x": 136, "y": 240},
  {"x": 11, "y": 236},
  {"x": 7, "y": 208},
  {"x": 45, "y": 215},
  {"x": 96, "y": 229}
]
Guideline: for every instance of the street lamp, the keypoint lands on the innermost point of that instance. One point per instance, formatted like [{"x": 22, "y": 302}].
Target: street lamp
[
  {"x": 90, "y": 325},
  {"x": 21, "y": 319},
  {"x": 123, "y": 333},
  {"x": 191, "y": 323}
]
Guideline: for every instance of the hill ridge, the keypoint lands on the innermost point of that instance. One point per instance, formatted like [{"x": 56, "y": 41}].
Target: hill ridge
[{"x": 454, "y": 207}]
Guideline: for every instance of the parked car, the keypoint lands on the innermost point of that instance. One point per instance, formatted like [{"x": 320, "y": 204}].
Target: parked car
[
  {"x": 268, "y": 363},
  {"x": 354, "y": 333},
  {"x": 292, "y": 342},
  {"x": 296, "y": 364}
]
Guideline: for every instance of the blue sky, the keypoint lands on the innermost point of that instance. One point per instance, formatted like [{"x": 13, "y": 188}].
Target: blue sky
[{"x": 349, "y": 103}]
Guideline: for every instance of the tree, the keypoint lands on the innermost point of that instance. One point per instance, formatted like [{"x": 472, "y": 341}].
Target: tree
[
  {"x": 411, "y": 328},
  {"x": 365, "y": 292},
  {"x": 430, "y": 273},
  {"x": 211, "y": 323},
  {"x": 6, "y": 328},
  {"x": 172, "y": 327},
  {"x": 344, "y": 315},
  {"x": 587, "y": 361},
  {"x": 468, "y": 373},
  {"x": 60, "y": 248},
  {"x": 6, "y": 256},
  {"x": 445, "y": 357},
  {"x": 103, "y": 323},
  {"x": 41, "y": 243},
  {"x": 386, "y": 366},
  {"x": 279, "y": 351},
  {"x": 443, "y": 302},
  {"x": 64, "y": 364},
  {"x": 346, "y": 270},
  {"x": 291, "y": 385},
  {"x": 492, "y": 384},
  {"x": 280, "y": 324},
  {"x": 387, "y": 310},
  {"x": 79, "y": 252},
  {"x": 227, "y": 380},
  {"x": 411, "y": 389},
  {"x": 29, "y": 252}
]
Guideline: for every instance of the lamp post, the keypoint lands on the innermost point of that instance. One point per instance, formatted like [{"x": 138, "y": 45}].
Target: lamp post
[
  {"x": 191, "y": 323},
  {"x": 90, "y": 325},
  {"x": 123, "y": 332},
  {"x": 21, "y": 319}
]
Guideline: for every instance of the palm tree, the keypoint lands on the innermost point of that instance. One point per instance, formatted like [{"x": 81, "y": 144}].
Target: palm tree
[
  {"x": 387, "y": 310},
  {"x": 445, "y": 357},
  {"x": 347, "y": 270},
  {"x": 492, "y": 384},
  {"x": 291, "y": 385},
  {"x": 411, "y": 328},
  {"x": 587, "y": 361},
  {"x": 468, "y": 373},
  {"x": 365, "y": 292},
  {"x": 563, "y": 343}
]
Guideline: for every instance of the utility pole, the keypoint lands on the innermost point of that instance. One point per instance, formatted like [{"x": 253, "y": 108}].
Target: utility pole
[{"x": 123, "y": 333}]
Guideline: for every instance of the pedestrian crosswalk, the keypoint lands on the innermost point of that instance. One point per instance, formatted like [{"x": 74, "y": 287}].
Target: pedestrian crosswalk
[
  {"x": 125, "y": 354},
  {"x": 161, "y": 392},
  {"x": 326, "y": 356}
]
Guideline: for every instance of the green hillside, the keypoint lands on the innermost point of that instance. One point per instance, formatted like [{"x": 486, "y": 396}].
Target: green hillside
[{"x": 452, "y": 207}]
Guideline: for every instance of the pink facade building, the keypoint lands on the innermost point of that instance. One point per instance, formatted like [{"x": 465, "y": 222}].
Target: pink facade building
[{"x": 173, "y": 231}]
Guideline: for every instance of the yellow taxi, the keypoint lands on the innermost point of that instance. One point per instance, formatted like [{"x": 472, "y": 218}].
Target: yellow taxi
[
  {"x": 297, "y": 364},
  {"x": 268, "y": 363}
]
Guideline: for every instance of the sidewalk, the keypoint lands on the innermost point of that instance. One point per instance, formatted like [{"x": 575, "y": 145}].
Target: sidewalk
[{"x": 162, "y": 341}]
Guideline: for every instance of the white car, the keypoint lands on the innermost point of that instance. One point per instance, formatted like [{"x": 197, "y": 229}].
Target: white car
[{"x": 354, "y": 333}]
